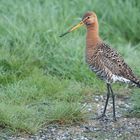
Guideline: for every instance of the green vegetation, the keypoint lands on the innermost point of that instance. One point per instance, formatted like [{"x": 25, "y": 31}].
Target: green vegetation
[
  {"x": 43, "y": 78},
  {"x": 135, "y": 100}
]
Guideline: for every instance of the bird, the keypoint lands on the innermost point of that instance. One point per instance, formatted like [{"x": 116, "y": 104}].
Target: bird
[{"x": 104, "y": 60}]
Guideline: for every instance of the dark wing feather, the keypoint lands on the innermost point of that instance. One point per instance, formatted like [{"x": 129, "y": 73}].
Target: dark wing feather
[{"x": 108, "y": 60}]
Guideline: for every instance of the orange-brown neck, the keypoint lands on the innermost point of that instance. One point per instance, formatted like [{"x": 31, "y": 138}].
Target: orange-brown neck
[{"x": 92, "y": 39}]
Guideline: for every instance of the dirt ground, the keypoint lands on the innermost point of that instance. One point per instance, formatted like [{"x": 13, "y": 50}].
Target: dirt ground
[{"x": 92, "y": 129}]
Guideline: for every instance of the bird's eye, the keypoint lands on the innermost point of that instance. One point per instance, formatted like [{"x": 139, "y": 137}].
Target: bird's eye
[{"x": 88, "y": 17}]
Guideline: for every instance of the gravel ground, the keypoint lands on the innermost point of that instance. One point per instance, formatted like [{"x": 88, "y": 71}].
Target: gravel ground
[{"x": 93, "y": 129}]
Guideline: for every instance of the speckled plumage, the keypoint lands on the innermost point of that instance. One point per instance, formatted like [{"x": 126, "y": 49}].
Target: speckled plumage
[{"x": 108, "y": 64}]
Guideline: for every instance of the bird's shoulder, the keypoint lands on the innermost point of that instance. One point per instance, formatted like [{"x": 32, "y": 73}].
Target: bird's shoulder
[
  {"x": 105, "y": 50},
  {"x": 107, "y": 53},
  {"x": 109, "y": 58}
]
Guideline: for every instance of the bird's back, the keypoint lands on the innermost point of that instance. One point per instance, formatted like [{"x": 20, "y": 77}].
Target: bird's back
[{"x": 110, "y": 66}]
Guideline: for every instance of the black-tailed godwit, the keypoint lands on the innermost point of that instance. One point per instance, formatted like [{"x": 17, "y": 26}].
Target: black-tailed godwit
[{"x": 103, "y": 60}]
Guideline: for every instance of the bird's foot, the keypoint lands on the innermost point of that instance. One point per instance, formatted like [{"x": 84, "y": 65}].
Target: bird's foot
[
  {"x": 101, "y": 117},
  {"x": 114, "y": 118}
]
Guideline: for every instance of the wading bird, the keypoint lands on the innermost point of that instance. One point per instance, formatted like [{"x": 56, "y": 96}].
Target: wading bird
[{"x": 103, "y": 60}]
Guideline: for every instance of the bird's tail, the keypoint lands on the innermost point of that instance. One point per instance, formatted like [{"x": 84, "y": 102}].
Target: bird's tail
[{"x": 137, "y": 83}]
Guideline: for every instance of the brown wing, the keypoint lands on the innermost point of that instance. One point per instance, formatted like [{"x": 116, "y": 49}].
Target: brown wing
[{"x": 108, "y": 60}]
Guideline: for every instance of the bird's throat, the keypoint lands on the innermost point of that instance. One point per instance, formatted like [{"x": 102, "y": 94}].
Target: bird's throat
[
  {"x": 92, "y": 35},
  {"x": 92, "y": 39}
]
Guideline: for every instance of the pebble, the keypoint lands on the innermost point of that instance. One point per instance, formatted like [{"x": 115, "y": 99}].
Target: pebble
[{"x": 128, "y": 128}]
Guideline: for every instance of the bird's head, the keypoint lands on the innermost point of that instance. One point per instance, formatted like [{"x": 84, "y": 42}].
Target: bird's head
[{"x": 89, "y": 19}]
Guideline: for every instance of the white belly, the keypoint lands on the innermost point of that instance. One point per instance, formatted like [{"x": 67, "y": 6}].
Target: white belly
[{"x": 116, "y": 78}]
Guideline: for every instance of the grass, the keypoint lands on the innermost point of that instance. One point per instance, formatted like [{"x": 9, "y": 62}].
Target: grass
[
  {"x": 135, "y": 112},
  {"x": 43, "y": 78},
  {"x": 27, "y": 104}
]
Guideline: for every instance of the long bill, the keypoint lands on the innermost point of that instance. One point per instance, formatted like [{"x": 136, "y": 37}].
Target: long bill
[{"x": 73, "y": 28}]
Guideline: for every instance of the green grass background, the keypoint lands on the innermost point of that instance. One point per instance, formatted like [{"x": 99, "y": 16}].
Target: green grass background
[{"x": 44, "y": 78}]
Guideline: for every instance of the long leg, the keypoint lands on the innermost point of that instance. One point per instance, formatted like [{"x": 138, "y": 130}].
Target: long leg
[
  {"x": 106, "y": 103},
  {"x": 108, "y": 95},
  {"x": 113, "y": 98}
]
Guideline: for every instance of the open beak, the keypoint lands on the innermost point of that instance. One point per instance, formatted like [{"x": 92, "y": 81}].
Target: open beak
[{"x": 73, "y": 28}]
